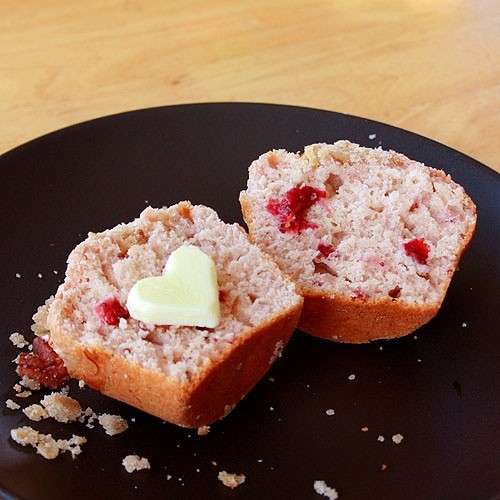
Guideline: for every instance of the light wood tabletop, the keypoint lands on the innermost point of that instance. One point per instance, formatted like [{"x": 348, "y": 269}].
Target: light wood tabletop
[{"x": 429, "y": 66}]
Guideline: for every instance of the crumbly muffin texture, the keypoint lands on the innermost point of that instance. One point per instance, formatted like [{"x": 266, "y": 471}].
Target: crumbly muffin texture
[
  {"x": 106, "y": 265},
  {"x": 359, "y": 222}
]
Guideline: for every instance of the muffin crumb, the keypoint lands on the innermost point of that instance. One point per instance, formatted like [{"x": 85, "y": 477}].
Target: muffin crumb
[
  {"x": 321, "y": 488},
  {"x": 11, "y": 405},
  {"x": 134, "y": 463},
  {"x": 231, "y": 480},
  {"x": 113, "y": 424},
  {"x": 61, "y": 407},
  {"x": 18, "y": 340},
  {"x": 24, "y": 394},
  {"x": 397, "y": 438},
  {"x": 45, "y": 444},
  {"x": 35, "y": 412}
]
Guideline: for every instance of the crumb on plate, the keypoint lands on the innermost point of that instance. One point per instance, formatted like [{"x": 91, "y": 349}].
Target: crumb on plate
[
  {"x": 35, "y": 412},
  {"x": 397, "y": 438},
  {"x": 12, "y": 405},
  {"x": 113, "y": 424},
  {"x": 61, "y": 407},
  {"x": 321, "y": 488},
  {"x": 45, "y": 444},
  {"x": 18, "y": 340},
  {"x": 231, "y": 480},
  {"x": 134, "y": 463}
]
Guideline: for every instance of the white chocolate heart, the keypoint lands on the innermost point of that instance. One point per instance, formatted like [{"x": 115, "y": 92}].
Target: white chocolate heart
[{"x": 187, "y": 294}]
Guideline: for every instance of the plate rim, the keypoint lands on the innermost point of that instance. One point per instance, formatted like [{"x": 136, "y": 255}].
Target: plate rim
[{"x": 41, "y": 138}]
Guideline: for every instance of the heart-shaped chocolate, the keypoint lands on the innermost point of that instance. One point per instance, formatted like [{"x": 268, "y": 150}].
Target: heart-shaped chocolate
[{"x": 187, "y": 294}]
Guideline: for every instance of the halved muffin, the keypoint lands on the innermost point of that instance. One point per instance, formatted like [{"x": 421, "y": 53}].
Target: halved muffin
[
  {"x": 370, "y": 237},
  {"x": 187, "y": 375}
]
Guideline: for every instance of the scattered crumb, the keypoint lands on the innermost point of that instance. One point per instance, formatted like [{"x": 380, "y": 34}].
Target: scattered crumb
[
  {"x": 72, "y": 445},
  {"x": 24, "y": 394},
  {"x": 35, "y": 412},
  {"x": 415, "y": 337},
  {"x": 45, "y": 444},
  {"x": 381, "y": 438},
  {"x": 271, "y": 379},
  {"x": 55, "y": 271},
  {"x": 364, "y": 429},
  {"x": 12, "y": 405},
  {"x": 419, "y": 360},
  {"x": 132, "y": 419},
  {"x": 397, "y": 438},
  {"x": 464, "y": 325},
  {"x": 321, "y": 488},
  {"x": 383, "y": 467},
  {"x": 61, "y": 407},
  {"x": 90, "y": 415},
  {"x": 18, "y": 275},
  {"x": 260, "y": 460},
  {"x": 17, "y": 387},
  {"x": 135, "y": 462},
  {"x": 169, "y": 477},
  {"x": 330, "y": 412},
  {"x": 203, "y": 430},
  {"x": 372, "y": 136},
  {"x": 351, "y": 376},
  {"x": 380, "y": 348},
  {"x": 197, "y": 470},
  {"x": 271, "y": 408},
  {"x": 214, "y": 463},
  {"x": 27, "y": 382},
  {"x": 231, "y": 480},
  {"x": 25, "y": 435},
  {"x": 113, "y": 424},
  {"x": 18, "y": 340},
  {"x": 40, "y": 275},
  {"x": 81, "y": 384}
]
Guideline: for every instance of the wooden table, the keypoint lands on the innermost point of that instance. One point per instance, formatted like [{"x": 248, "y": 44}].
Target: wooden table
[{"x": 429, "y": 66}]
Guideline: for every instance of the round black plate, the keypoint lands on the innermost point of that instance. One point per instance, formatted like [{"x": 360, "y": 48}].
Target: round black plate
[{"x": 439, "y": 389}]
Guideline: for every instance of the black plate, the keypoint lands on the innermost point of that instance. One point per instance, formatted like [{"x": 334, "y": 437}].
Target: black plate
[{"x": 440, "y": 390}]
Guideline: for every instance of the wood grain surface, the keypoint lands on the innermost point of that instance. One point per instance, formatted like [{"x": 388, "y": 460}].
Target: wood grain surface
[{"x": 430, "y": 66}]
